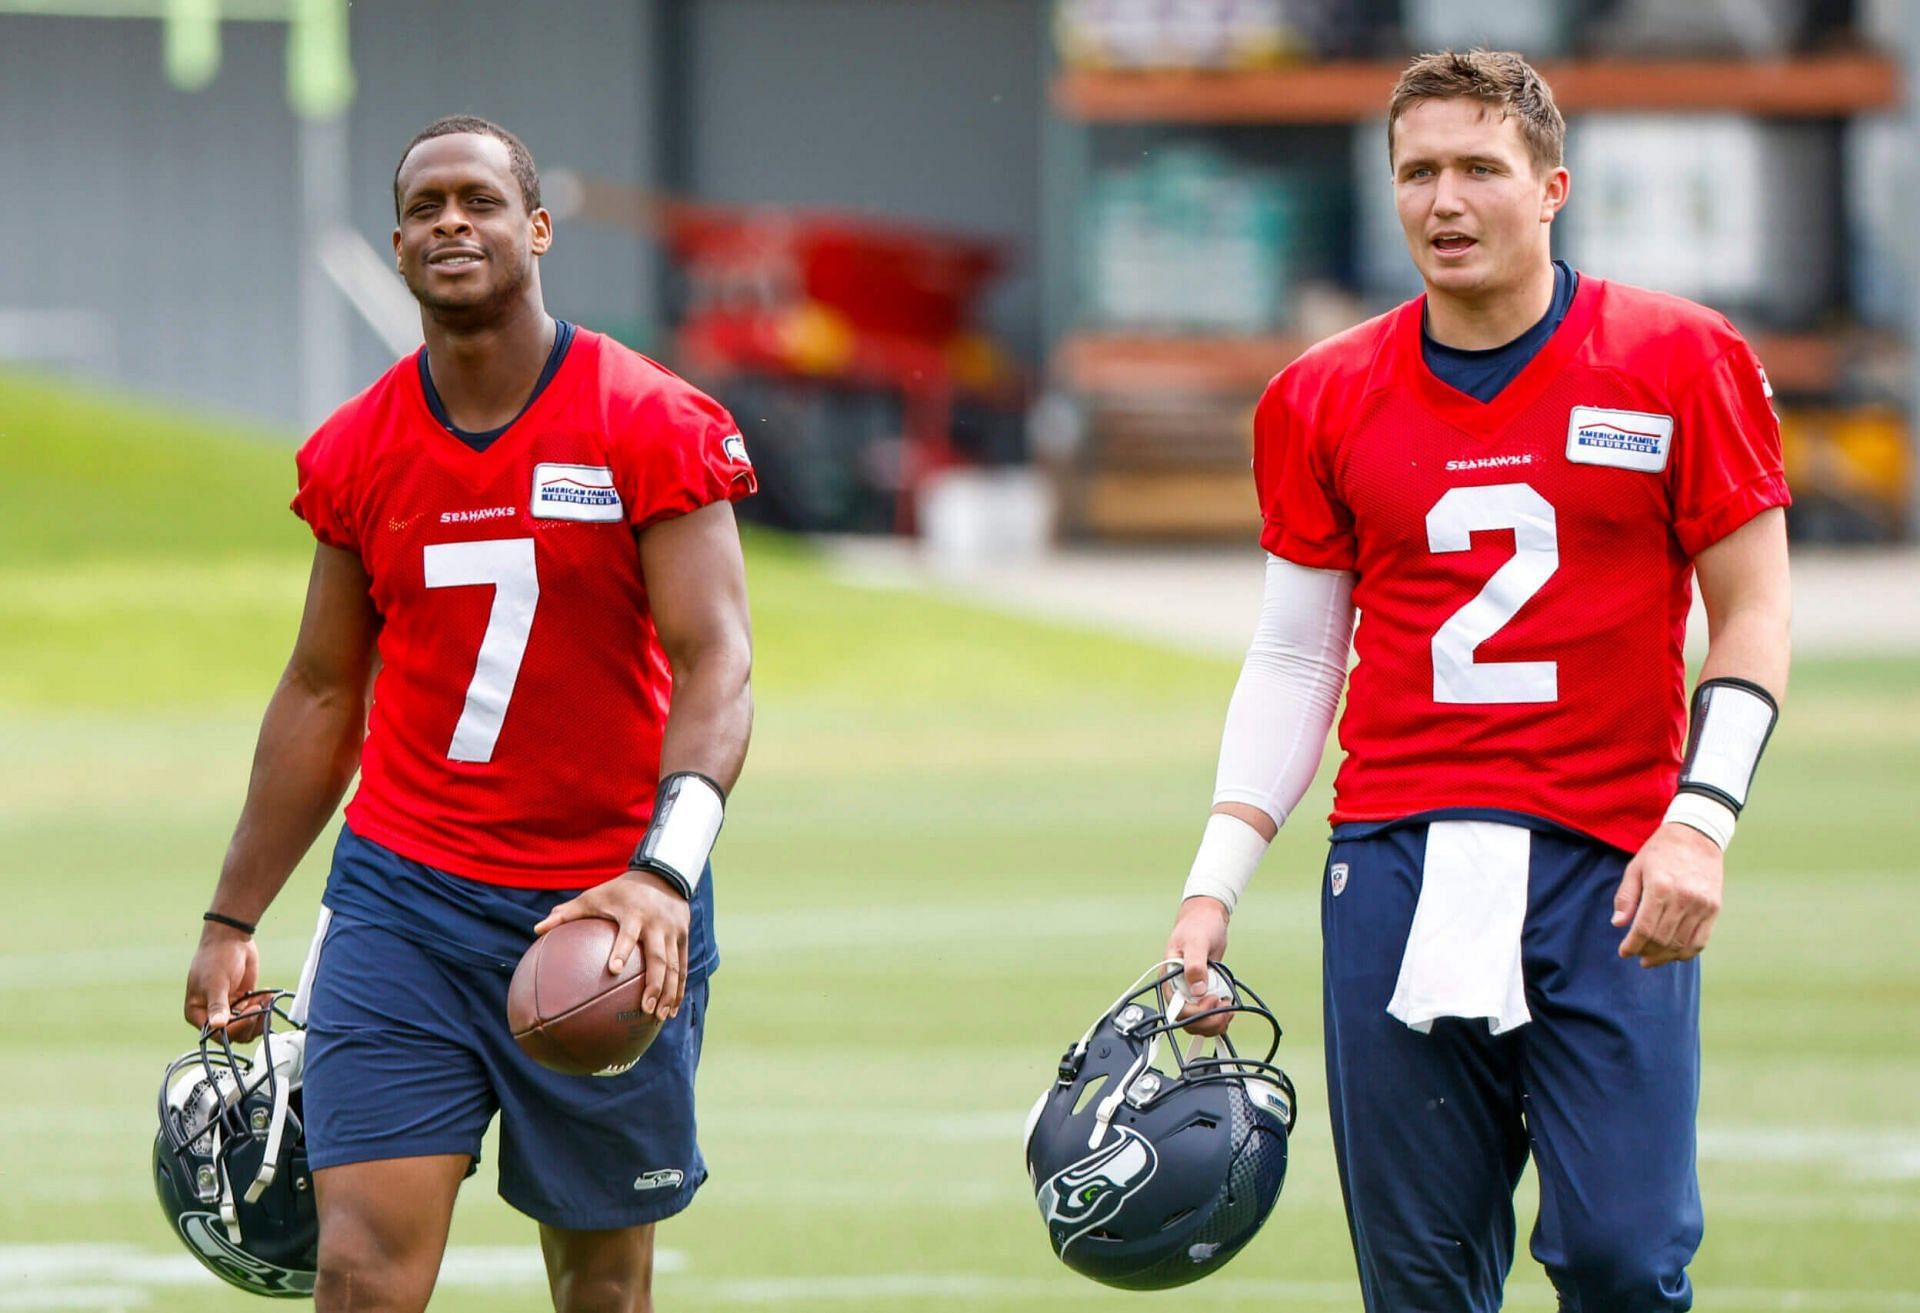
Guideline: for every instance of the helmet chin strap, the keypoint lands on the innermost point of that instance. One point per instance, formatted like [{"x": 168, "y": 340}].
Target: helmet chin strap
[
  {"x": 286, "y": 1061},
  {"x": 229, "y": 1214},
  {"x": 1108, "y": 1106},
  {"x": 285, "y": 1064}
]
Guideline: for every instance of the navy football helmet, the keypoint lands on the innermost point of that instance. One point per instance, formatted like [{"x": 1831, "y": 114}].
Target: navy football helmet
[
  {"x": 1151, "y": 1174},
  {"x": 230, "y": 1159}
]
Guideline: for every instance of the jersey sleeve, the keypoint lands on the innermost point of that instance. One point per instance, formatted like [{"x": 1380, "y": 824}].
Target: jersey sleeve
[
  {"x": 683, "y": 452},
  {"x": 1726, "y": 466},
  {"x": 319, "y": 497},
  {"x": 1303, "y": 520}
]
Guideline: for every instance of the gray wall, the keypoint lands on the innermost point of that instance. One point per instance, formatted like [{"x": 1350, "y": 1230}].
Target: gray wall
[
  {"x": 171, "y": 214},
  {"x": 572, "y": 78},
  {"x": 175, "y": 215}
]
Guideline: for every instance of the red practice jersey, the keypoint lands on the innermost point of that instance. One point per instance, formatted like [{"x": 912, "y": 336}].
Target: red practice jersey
[
  {"x": 522, "y": 690},
  {"x": 1523, "y": 566}
]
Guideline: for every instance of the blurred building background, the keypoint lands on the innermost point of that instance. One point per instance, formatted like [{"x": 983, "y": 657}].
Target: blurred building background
[{"x": 989, "y": 270}]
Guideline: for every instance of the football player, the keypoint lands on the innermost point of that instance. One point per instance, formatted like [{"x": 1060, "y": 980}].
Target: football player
[
  {"x": 1514, "y": 480},
  {"x": 526, "y": 626}
]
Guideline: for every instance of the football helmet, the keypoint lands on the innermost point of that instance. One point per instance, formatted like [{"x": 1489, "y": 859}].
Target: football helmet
[
  {"x": 1152, "y": 1173},
  {"x": 230, "y": 1159}
]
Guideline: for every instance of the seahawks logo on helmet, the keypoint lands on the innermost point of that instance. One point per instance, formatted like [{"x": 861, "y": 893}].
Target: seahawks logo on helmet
[
  {"x": 207, "y": 1238},
  {"x": 1082, "y": 1195}
]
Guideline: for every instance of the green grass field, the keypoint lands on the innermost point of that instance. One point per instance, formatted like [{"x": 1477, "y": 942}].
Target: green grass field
[{"x": 957, "y": 836}]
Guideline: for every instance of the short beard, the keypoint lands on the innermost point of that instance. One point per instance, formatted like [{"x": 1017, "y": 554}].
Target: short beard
[{"x": 474, "y": 314}]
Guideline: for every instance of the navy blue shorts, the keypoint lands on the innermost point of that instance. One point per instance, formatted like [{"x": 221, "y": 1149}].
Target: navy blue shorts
[
  {"x": 408, "y": 1051},
  {"x": 1431, "y": 1131}
]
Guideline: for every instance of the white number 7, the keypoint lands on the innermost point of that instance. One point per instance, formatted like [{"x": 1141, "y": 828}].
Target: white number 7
[{"x": 507, "y": 564}]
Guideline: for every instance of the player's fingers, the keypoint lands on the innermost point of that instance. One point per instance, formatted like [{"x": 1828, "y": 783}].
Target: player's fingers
[
  {"x": 1669, "y": 928},
  {"x": 567, "y": 911},
  {"x": 1210, "y": 1025},
  {"x": 656, "y": 973},
  {"x": 625, "y": 940},
  {"x": 1193, "y": 960},
  {"x": 673, "y": 986},
  {"x": 1691, "y": 936},
  {"x": 1645, "y": 933},
  {"x": 1681, "y": 947},
  {"x": 1661, "y": 918},
  {"x": 1635, "y": 942},
  {"x": 216, "y": 1004},
  {"x": 1626, "y": 899},
  {"x": 680, "y": 962}
]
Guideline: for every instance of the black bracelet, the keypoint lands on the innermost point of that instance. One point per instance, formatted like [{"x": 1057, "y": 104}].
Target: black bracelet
[
  {"x": 665, "y": 872},
  {"x": 221, "y": 918}
]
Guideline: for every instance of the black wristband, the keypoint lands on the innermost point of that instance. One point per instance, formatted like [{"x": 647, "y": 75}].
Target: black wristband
[
  {"x": 221, "y": 918},
  {"x": 665, "y": 872}
]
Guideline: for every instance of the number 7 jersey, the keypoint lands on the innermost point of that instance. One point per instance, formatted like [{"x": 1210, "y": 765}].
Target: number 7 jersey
[
  {"x": 1523, "y": 566},
  {"x": 522, "y": 689}
]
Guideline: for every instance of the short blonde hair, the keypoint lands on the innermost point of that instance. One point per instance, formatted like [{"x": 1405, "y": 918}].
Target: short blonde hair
[{"x": 1499, "y": 79}]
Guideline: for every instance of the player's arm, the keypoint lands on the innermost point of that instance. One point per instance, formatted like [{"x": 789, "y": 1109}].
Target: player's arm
[
  {"x": 1270, "y": 748},
  {"x": 697, "y": 586},
  {"x": 308, "y": 750},
  {"x": 1671, "y": 891}
]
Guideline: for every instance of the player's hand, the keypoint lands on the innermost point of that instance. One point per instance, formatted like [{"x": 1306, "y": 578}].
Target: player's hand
[
  {"x": 1199, "y": 937},
  {"x": 223, "y": 972},
  {"x": 1671, "y": 895},
  {"x": 652, "y": 917}
]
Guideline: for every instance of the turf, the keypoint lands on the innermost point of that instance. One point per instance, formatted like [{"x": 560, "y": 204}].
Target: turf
[{"x": 958, "y": 834}]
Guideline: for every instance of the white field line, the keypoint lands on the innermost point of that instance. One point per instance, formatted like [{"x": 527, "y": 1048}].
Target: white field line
[
  {"x": 1879, "y": 1152},
  {"x": 101, "y": 1278},
  {"x": 1887, "y": 1153},
  {"x": 756, "y": 935},
  {"x": 1033, "y": 1291},
  {"x": 105, "y": 1277}
]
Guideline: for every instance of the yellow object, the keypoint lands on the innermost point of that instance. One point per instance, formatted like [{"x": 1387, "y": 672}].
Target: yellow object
[
  {"x": 1863, "y": 453},
  {"x": 977, "y": 362},
  {"x": 816, "y": 339}
]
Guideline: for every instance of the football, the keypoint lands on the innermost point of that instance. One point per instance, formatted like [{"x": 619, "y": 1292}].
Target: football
[{"x": 568, "y": 1013}]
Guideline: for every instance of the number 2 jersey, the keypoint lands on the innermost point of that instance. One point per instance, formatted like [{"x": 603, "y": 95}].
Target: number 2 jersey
[
  {"x": 1523, "y": 565},
  {"x": 522, "y": 690}
]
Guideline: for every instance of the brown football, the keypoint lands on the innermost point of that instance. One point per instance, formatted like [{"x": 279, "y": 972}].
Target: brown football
[{"x": 568, "y": 1012}]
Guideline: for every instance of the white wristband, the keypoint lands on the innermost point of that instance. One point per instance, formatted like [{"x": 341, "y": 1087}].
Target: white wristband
[
  {"x": 1710, "y": 816},
  {"x": 687, "y": 813},
  {"x": 1230, "y": 850}
]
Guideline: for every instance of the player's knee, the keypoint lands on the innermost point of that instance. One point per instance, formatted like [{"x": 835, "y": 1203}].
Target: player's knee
[
  {"x": 361, "y": 1271},
  {"x": 600, "y": 1293},
  {"x": 1621, "y": 1272}
]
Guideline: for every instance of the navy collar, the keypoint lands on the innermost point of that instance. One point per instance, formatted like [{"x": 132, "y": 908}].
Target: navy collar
[
  {"x": 562, "y": 339},
  {"x": 1483, "y": 374}
]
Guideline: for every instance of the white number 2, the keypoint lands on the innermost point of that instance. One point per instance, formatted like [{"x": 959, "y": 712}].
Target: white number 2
[
  {"x": 507, "y": 564},
  {"x": 1457, "y": 677}
]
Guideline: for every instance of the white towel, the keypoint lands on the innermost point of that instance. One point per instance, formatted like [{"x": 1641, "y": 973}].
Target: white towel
[{"x": 1463, "y": 951}]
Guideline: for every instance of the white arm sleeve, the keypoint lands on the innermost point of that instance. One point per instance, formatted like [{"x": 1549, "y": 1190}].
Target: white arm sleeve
[{"x": 1283, "y": 705}]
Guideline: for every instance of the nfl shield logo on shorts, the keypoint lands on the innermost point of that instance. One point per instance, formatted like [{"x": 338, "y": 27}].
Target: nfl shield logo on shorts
[{"x": 1337, "y": 877}]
